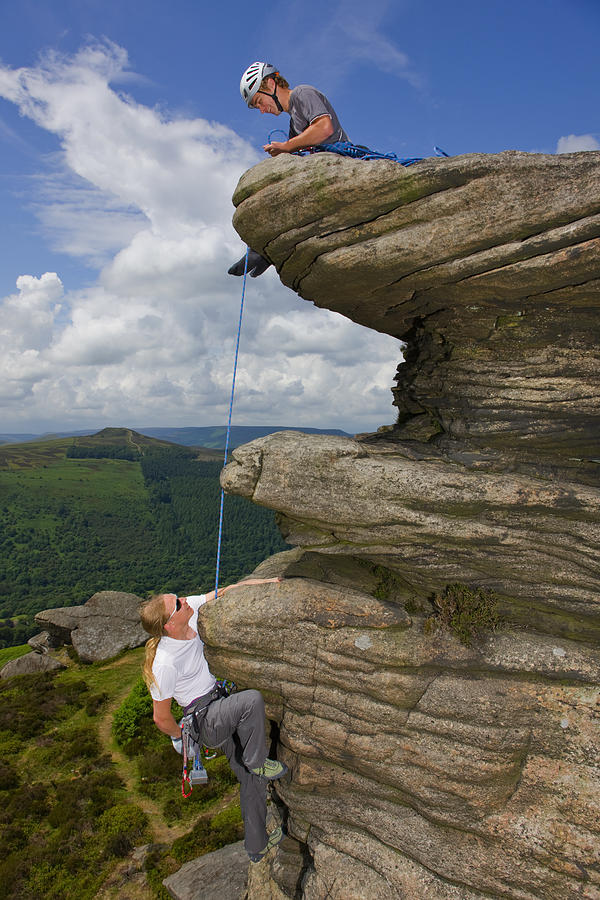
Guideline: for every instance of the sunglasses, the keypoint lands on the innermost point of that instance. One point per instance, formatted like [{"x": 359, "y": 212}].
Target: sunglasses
[{"x": 177, "y": 608}]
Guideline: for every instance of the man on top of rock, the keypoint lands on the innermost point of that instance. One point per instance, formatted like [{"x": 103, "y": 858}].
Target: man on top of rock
[
  {"x": 175, "y": 668},
  {"x": 313, "y": 119}
]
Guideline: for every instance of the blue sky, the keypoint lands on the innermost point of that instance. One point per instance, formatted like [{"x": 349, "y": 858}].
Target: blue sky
[{"x": 122, "y": 135}]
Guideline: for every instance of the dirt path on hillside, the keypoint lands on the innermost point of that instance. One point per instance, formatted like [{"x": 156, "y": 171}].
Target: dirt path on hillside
[
  {"x": 162, "y": 833},
  {"x": 133, "y": 443},
  {"x": 127, "y": 880}
]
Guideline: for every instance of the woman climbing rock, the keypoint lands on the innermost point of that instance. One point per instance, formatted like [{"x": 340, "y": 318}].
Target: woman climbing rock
[{"x": 175, "y": 668}]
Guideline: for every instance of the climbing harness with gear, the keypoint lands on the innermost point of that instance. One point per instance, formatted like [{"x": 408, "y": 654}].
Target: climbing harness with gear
[
  {"x": 194, "y": 772},
  {"x": 193, "y": 751}
]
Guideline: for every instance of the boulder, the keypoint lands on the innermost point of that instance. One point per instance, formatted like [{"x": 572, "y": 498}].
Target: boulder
[
  {"x": 40, "y": 642},
  {"x": 100, "y": 629},
  {"x": 221, "y": 875},
  {"x": 29, "y": 664},
  {"x": 431, "y": 660}
]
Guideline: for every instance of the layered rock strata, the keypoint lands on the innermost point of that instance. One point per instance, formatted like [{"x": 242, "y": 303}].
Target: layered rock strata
[
  {"x": 427, "y": 762},
  {"x": 489, "y": 266}
]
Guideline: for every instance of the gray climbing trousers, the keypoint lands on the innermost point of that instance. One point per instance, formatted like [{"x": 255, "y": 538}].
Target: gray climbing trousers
[{"x": 236, "y": 724}]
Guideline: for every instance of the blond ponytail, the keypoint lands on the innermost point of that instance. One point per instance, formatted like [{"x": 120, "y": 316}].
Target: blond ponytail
[{"x": 153, "y": 616}]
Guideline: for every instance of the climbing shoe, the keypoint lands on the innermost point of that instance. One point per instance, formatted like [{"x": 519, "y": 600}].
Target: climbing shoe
[
  {"x": 257, "y": 264},
  {"x": 275, "y": 838},
  {"x": 272, "y": 769}
]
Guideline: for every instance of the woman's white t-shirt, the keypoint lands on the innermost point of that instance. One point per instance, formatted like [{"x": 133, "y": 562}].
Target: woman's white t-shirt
[{"x": 179, "y": 668}]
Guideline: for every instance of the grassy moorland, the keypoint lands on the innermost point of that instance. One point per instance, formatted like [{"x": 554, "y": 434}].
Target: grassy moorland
[
  {"x": 115, "y": 511},
  {"x": 85, "y": 778}
]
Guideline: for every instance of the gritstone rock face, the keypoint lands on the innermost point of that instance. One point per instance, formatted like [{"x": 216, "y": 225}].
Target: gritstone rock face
[{"x": 431, "y": 662}]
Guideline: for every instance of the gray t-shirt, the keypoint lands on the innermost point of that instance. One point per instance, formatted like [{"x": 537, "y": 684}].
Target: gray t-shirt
[{"x": 306, "y": 105}]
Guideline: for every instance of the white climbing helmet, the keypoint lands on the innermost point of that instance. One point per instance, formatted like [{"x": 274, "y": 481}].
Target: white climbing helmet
[{"x": 253, "y": 78}]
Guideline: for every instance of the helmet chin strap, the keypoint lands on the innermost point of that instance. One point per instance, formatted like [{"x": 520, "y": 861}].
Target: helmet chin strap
[{"x": 274, "y": 97}]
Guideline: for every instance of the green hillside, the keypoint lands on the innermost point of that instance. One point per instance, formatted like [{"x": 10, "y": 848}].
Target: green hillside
[
  {"x": 85, "y": 777},
  {"x": 115, "y": 511}
]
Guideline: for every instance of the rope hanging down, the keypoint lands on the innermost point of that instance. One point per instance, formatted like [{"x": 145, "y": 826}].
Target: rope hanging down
[
  {"x": 237, "y": 347},
  {"x": 343, "y": 148}
]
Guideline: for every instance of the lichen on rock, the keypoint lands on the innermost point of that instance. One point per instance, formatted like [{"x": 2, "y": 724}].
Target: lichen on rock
[{"x": 421, "y": 765}]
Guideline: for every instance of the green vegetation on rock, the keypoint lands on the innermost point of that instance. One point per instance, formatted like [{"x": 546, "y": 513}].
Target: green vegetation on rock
[
  {"x": 465, "y": 612},
  {"x": 388, "y": 583},
  {"x": 206, "y": 836},
  {"x": 132, "y": 726}
]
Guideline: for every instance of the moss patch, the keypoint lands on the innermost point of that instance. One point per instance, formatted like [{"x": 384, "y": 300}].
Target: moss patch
[
  {"x": 464, "y": 611},
  {"x": 388, "y": 583}
]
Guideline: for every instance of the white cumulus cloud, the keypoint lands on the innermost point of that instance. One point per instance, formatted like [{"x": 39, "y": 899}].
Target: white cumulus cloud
[
  {"x": 144, "y": 198},
  {"x": 573, "y": 143},
  {"x": 28, "y": 321}
]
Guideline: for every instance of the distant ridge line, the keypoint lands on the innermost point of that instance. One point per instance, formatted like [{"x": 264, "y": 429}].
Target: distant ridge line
[{"x": 211, "y": 436}]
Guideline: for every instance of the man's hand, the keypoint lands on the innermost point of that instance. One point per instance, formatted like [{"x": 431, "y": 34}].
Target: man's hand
[
  {"x": 277, "y": 147},
  {"x": 317, "y": 132}
]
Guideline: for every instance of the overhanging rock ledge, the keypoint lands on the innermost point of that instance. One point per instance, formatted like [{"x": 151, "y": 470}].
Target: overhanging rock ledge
[{"x": 489, "y": 266}]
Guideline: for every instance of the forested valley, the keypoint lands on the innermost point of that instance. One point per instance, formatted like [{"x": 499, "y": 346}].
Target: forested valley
[{"x": 116, "y": 511}]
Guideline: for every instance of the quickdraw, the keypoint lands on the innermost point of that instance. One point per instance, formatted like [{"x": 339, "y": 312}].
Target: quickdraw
[{"x": 185, "y": 778}]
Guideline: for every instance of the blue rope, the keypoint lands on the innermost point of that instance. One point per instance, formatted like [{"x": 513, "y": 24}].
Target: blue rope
[
  {"x": 237, "y": 347},
  {"x": 355, "y": 151},
  {"x": 276, "y": 131}
]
